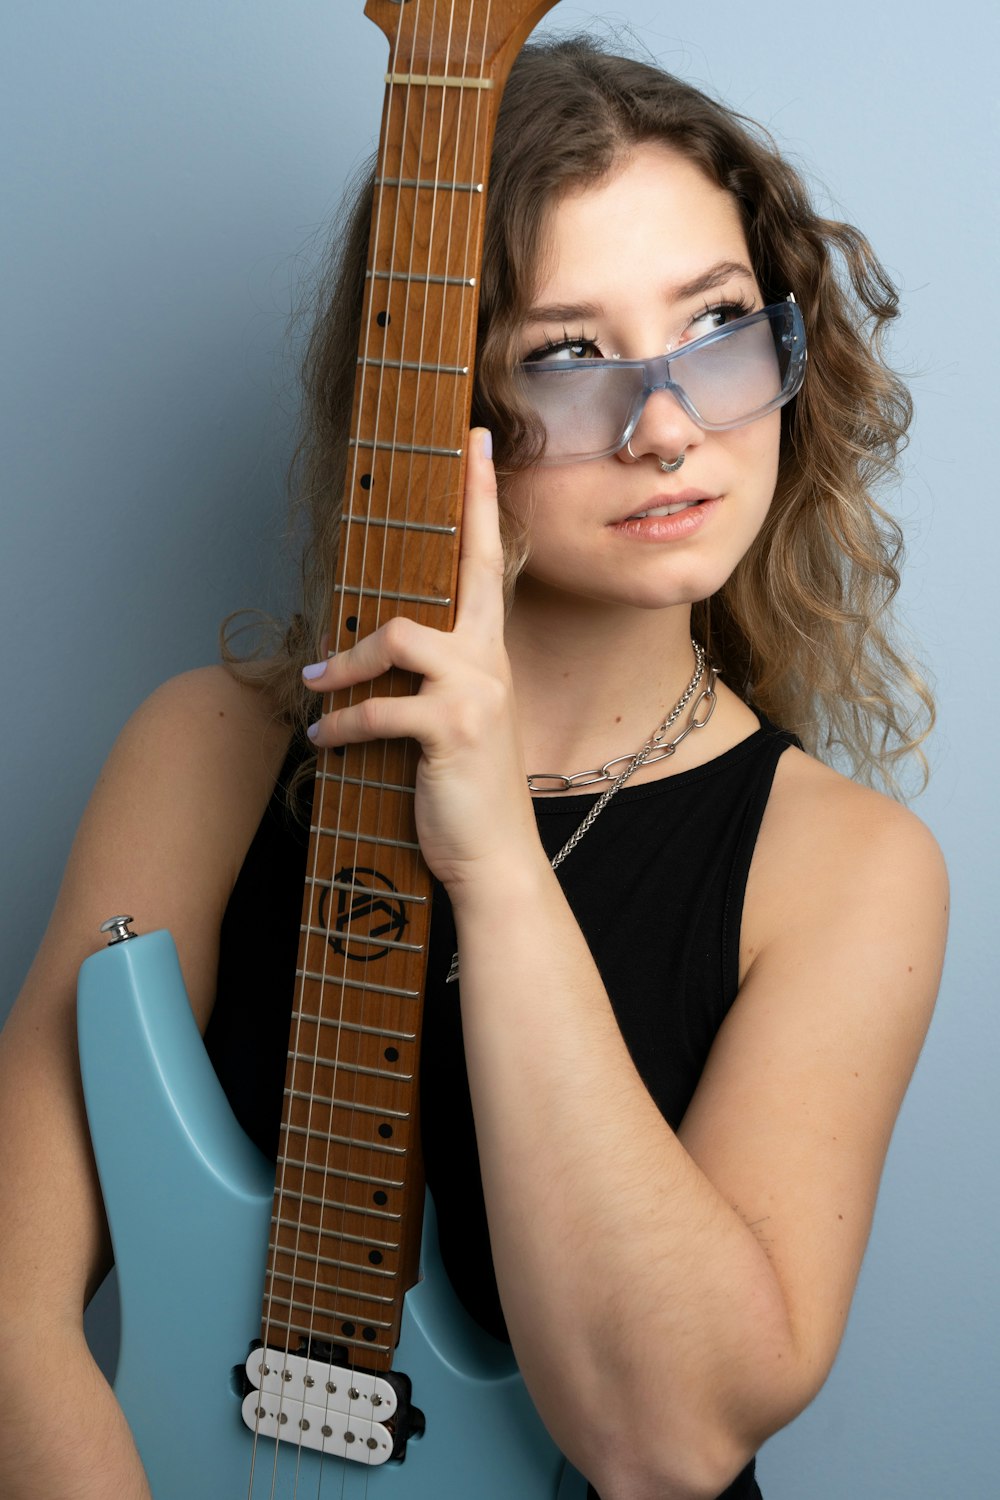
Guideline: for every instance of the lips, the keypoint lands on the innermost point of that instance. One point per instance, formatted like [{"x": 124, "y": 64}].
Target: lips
[
  {"x": 668, "y": 505},
  {"x": 664, "y": 510}
]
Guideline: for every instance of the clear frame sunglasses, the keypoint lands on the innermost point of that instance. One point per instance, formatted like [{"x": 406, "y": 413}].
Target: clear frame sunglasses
[{"x": 732, "y": 376}]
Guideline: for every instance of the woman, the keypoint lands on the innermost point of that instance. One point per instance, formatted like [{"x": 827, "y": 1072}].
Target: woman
[{"x": 686, "y": 1050}]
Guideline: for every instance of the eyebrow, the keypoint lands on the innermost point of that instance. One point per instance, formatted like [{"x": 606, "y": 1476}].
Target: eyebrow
[{"x": 705, "y": 281}]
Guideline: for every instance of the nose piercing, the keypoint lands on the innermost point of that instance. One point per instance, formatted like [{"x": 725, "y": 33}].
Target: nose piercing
[{"x": 667, "y": 465}]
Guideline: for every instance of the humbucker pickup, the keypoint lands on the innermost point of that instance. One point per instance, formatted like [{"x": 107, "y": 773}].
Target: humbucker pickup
[{"x": 321, "y": 1406}]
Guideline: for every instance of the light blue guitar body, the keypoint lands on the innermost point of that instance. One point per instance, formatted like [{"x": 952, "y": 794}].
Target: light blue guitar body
[{"x": 189, "y": 1202}]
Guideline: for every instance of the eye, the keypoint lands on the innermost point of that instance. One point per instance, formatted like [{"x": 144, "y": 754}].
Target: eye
[
  {"x": 715, "y": 317},
  {"x": 565, "y": 349}
]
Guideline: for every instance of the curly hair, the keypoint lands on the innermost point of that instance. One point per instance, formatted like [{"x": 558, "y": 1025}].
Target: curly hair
[{"x": 802, "y": 628}]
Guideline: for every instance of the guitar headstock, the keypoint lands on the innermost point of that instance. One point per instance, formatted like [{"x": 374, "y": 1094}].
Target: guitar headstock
[{"x": 466, "y": 38}]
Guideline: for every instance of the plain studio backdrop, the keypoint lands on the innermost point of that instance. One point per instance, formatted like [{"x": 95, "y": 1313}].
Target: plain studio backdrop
[{"x": 169, "y": 175}]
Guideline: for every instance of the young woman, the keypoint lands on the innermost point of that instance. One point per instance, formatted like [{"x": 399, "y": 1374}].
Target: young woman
[{"x": 684, "y": 1049}]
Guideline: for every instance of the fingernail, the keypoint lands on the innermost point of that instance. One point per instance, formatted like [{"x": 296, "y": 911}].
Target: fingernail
[
  {"x": 315, "y": 669},
  {"x": 487, "y": 443},
  {"x": 313, "y": 731}
]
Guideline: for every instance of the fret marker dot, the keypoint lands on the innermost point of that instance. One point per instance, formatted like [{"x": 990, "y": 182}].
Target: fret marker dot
[
  {"x": 352, "y": 622},
  {"x": 347, "y": 1329},
  {"x": 375, "y": 1256},
  {"x": 366, "y": 481},
  {"x": 369, "y": 1334},
  {"x": 383, "y": 320},
  {"x": 340, "y": 750},
  {"x": 391, "y": 1054},
  {"x": 380, "y": 1198},
  {"x": 385, "y": 1131}
]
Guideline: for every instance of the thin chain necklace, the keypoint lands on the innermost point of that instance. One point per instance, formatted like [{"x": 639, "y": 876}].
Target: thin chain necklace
[{"x": 648, "y": 754}]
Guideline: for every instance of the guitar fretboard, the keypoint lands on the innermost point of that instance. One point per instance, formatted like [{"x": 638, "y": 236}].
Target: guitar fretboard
[{"x": 349, "y": 1192}]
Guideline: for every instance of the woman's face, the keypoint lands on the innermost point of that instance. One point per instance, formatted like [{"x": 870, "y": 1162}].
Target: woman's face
[{"x": 653, "y": 256}]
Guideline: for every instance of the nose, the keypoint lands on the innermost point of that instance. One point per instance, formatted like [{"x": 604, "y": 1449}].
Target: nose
[{"x": 664, "y": 429}]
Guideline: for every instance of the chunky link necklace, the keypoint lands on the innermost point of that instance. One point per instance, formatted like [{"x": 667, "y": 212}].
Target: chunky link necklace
[
  {"x": 648, "y": 754},
  {"x": 651, "y": 751}
]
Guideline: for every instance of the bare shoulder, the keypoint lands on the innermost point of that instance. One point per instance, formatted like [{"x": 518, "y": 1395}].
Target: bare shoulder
[
  {"x": 831, "y": 849},
  {"x": 167, "y": 826},
  {"x": 162, "y": 838},
  {"x": 175, "y": 809}
]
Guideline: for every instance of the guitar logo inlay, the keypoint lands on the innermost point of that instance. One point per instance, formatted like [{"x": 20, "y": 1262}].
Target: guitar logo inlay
[{"x": 363, "y": 915}]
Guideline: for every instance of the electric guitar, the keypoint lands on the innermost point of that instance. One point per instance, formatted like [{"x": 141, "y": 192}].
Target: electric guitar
[{"x": 291, "y": 1331}]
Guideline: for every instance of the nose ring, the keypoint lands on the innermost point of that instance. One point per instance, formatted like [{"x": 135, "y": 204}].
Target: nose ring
[{"x": 669, "y": 466}]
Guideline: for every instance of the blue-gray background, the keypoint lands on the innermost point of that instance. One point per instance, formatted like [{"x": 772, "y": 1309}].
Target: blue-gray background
[{"x": 168, "y": 173}]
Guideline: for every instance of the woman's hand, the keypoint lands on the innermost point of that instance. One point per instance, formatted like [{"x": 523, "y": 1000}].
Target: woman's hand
[{"x": 472, "y": 805}]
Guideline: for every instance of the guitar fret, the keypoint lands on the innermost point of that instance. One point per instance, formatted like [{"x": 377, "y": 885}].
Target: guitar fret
[
  {"x": 348, "y": 885},
  {"x": 353, "y": 520},
  {"x": 349, "y": 588},
  {"x": 345, "y": 1067},
  {"x": 383, "y": 786},
  {"x": 364, "y": 838},
  {"x": 326, "y": 1260},
  {"x": 439, "y": 80},
  {"x": 339, "y": 1234},
  {"x": 394, "y": 447},
  {"x": 362, "y": 937},
  {"x": 367, "y": 361},
  {"x": 335, "y": 1291},
  {"x": 341, "y": 1338},
  {"x": 367, "y": 1178},
  {"x": 326, "y": 1312},
  {"x": 344, "y": 1140},
  {"x": 429, "y": 184},
  {"x": 382, "y": 1031},
  {"x": 375, "y": 1072},
  {"x": 343, "y": 981},
  {"x": 361, "y": 1109},
  {"x": 409, "y": 277},
  {"x": 351, "y": 1208}
]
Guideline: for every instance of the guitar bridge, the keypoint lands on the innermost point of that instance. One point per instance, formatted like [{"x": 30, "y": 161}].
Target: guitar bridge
[{"x": 351, "y": 1414}]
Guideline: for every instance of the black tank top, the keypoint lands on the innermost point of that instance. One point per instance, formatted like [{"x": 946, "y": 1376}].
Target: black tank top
[{"x": 657, "y": 887}]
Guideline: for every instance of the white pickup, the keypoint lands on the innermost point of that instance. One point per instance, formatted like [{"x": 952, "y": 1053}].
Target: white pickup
[{"x": 320, "y": 1406}]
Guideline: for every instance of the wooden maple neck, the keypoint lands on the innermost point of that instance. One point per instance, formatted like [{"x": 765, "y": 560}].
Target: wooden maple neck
[{"x": 349, "y": 1188}]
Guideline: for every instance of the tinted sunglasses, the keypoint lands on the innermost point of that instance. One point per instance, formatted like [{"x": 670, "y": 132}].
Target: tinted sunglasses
[{"x": 732, "y": 376}]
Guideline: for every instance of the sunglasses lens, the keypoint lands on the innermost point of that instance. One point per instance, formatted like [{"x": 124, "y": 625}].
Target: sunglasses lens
[
  {"x": 737, "y": 375},
  {"x": 584, "y": 406}
]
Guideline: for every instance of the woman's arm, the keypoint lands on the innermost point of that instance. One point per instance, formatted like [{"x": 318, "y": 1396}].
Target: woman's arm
[
  {"x": 675, "y": 1299},
  {"x": 163, "y": 837},
  {"x": 672, "y": 1298}
]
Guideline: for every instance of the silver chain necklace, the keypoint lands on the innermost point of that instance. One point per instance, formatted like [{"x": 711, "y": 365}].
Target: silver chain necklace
[{"x": 648, "y": 754}]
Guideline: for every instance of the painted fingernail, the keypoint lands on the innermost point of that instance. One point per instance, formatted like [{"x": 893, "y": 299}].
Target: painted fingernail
[
  {"x": 315, "y": 669},
  {"x": 487, "y": 443},
  {"x": 313, "y": 731}
]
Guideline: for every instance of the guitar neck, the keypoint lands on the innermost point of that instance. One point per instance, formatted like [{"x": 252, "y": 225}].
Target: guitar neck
[{"x": 349, "y": 1188}]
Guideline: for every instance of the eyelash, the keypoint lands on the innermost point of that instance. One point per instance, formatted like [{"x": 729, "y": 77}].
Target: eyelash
[{"x": 738, "y": 305}]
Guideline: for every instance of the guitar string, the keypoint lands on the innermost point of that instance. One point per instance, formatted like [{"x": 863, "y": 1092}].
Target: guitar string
[
  {"x": 368, "y": 752},
  {"x": 347, "y": 541},
  {"x": 397, "y": 311},
  {"x": 429, "y": 504},
  {"x": 339, "y": 822},
  {"x": 363, "y": 753},
  {"x": 409, "y": 464}
]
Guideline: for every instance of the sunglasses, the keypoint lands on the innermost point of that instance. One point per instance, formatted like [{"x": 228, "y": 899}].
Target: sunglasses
[{"x": 732, "y": 376}]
